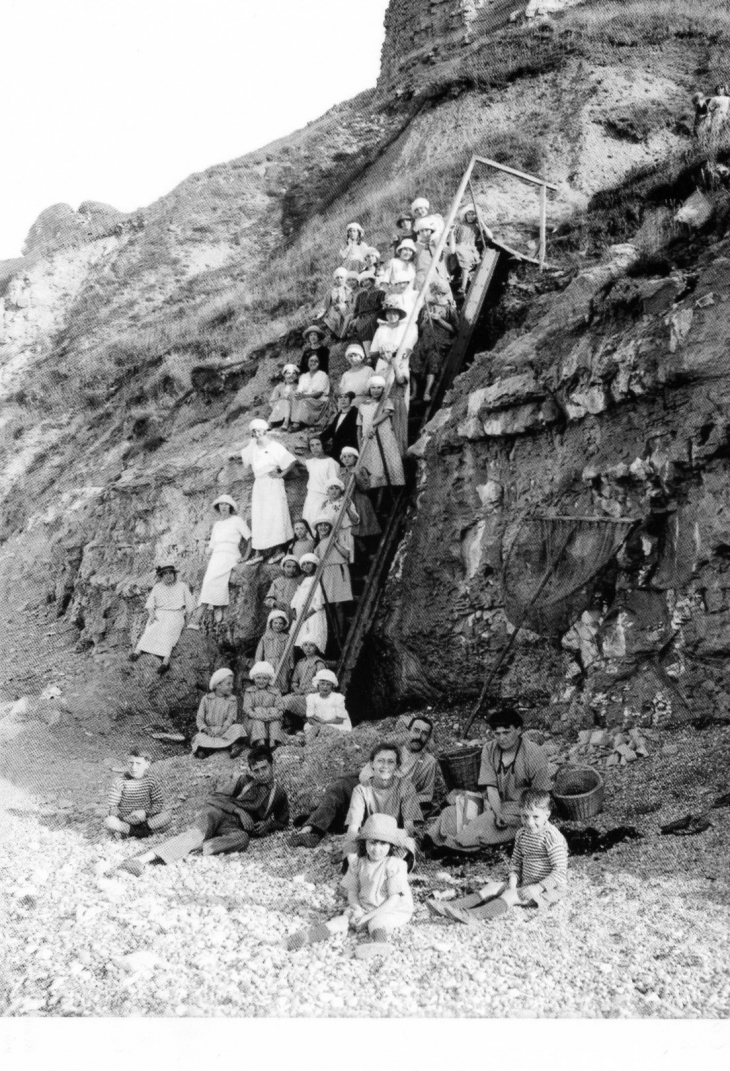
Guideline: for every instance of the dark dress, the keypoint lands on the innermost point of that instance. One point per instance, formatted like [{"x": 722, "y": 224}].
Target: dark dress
[
  {"x": 368, "y": 306},
  {"x": 323, "y": 352},
  {"x": 344, "y": 435}
]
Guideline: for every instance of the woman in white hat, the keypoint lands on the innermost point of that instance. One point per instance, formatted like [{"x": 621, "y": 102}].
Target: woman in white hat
[
  {"x": 217, "y": 719},
  {"x": 168, "y": 606},
  {"x": 326, "y": 706},
  {"x": 313, "y": 626},
  {"x": 353, "y": 253},
  {"x": 270, "y": 462},
  {"x": 426, "y": 251},
  {"x": 379, "y": 897},
  {"x": 378, "y": 446},
  {"x": 272, "y": 645},
  {"x": 225, "y": 552},
  {"x": 311, "y": 398},
  {"x": 391, "y": 334},
  {"x": 281, "y": 397},
  {"x": 368, "y": 523},
  {"x": 337, "y": 311},
  {"x": 400, "y": 272},
  {"x": 420, "y": 209},
  {"x": 320, "y": 470},
  {"x": 368, "y": 302},
  {"x": 314, "y": 342},
  {"x": 355, "y": 380}
]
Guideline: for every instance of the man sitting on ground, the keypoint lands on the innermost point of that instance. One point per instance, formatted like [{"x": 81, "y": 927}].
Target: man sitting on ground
[
  {"x": 255, "y": 806},
  {"x": 417, "y": 765}
]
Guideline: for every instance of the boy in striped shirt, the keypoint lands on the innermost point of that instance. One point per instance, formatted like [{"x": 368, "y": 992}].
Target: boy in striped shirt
[
  {"x": 538, "y": 872},
  {"x": 136, "y": 806}
]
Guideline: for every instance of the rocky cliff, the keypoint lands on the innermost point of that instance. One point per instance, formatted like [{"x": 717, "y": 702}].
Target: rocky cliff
[{"x": 134, "y": 349}]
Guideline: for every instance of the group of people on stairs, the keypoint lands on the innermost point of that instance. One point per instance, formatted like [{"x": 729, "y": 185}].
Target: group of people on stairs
[{"x": 387, "y": 813}]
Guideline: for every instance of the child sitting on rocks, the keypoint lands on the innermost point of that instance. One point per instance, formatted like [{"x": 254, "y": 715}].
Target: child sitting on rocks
[
  {"x": 538, "y": 872},
  {"x": 136, "y": 806},
  {"x": 302, "y": 683},
  {"x": 378, "y": 894},
  {"x": 263, "y": 706},
  {"x": 272, "y": 645},
  {"x": 281, "y": 592},
  {"x": 326, "y": 707},
  {"x": 217, "y": 719}
]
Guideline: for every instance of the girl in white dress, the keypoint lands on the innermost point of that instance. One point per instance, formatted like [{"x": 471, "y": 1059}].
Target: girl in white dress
[
  {"x": 225, "y": 552},
  {"x": 321, "y": 470},
  {"x": 314, "y": 628},
  {"x": 357, "y": 377},
  {"x": 353, "y": 254},
  {"x": 281, "y": 397},
  {"x": 169, "y": 604},
  {"x": 326, "y": 707},
  {"x": 270, "y": 462}
]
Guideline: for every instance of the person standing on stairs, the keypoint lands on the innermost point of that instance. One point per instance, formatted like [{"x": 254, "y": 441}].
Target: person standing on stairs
[
  {"x": 466, "y": 247},
  {"x": 168, "y": 606},
  {"x": 390, "y": 336},
  {"x": 342, "y": 431},
  {"x": 366, "y": 310},
  {"x": 438, "y": 324},
  {"x": 225, "y": 553},
  {"x": 270, "y": 462},
  {"x": 378, "y": 445},
  {"x": 281, "y": 592},
  {"x": 367, "y": 525},
  {"x": 313, "y": 626},
  {"x": 320, "y": 470},
  {"x": 272, "y": 645},
  {"x": 335, "y": 552}
]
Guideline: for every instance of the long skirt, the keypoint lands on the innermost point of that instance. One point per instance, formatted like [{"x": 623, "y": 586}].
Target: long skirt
[
  {"x": 368, "y": 524},
  {"x": 314, "y": 503},
  {"x": 336, "y": 584},
  {"x": 214, "y": 743},
  {"x": 214, "y": 590},
  {"x": 383, "y": 445},
  {"x": 309, "y": 411},
  {"x": 479, "y": 833},
  {"x": 400, "y": 394},
  {"x": 160, "y": 637},
  {"x": 270, "y": 518}
]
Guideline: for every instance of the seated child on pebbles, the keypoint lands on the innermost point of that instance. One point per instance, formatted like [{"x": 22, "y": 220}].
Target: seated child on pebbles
[
  {"x": 326, "y": 707},
  {"x": 538, "y": 872},
  {"x": 263, "y": 706},
  {"x": 379, "y": 897},
  {"x": 136, "y": 806}
]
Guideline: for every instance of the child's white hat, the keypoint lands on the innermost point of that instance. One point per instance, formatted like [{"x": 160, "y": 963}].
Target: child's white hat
[
  {"x": 350, "y": 449},
  {"x": 407, "y": 243},
  {"x": 420, "y": 202},
  {"x": 225, "y": 500},
  {"x": 258, "y": 425},
  {"x": 325, "y": 675},
  {"x": 355, "y": 227},
  {"x": 384, "y": 827},
  {"x": 218, "y": 677},
  {"x": 311, "y": 558},
  {"x": 289, "y": 368},
  {"x": 355, "y": 347},
  {"x": 262, "y": 669},
  {"x": 323, "y": 519},
  {"x": 275, "y": 614},
  {"x": 376, "y": 381},
  {"x": 340, "y": 273},
  {"x": 289, "y": 558}
]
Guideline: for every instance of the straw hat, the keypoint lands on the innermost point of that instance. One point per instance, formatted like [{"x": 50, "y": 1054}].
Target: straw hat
[
  {"x": 314, "y": 329},
  {"x": 225, "y": 500},
  {"x": 262, "y": 669},
  {"x": 218, "y": 677},
  {"x": 325, "y": 675},
  {"x": 277, "y": 613},
  {"x": 392, "y": 305},
  {"x": 384, "y": 827}
]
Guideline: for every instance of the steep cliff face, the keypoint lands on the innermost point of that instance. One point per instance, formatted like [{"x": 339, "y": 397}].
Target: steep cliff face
[{"x": 135, "y": 349}]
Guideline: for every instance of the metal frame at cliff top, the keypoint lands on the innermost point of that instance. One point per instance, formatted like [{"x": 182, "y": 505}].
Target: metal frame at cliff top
[{"x": 533, "y": 180}]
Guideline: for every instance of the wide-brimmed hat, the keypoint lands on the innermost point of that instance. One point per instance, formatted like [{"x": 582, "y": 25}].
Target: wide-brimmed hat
[
  {"x": 325, "y": 675},
  {"x": 218, "y": 677},
  {"x": 392, "y": 305},
  {"x": 314, "y": 329},
  {"x": 425, "y": 223},
  {"x": 350, "y": 449},
  {"x": 277, "y": 613},
  {"x": 407, "y": 243},
  {"x": 384, "y": 827},
  {"x": 355, "y": 227},
  {"x": 225, "y": 500},
  {"x": 309, "y": 557},
  {"x": 258, "y": 425},
  {"x": 420, "y": 202},
  {"x": 262, "y": 669}
]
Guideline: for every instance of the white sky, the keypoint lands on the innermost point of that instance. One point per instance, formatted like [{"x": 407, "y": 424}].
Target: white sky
[{"x": 119, "y": 100}]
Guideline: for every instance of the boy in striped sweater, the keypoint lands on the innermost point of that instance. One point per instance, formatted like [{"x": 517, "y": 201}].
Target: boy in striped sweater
[
  {"x": 136, "y": 806},
  {"x": 538, "y": 873}
]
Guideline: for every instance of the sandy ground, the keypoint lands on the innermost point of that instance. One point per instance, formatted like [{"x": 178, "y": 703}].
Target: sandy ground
[{"x": 643, "y": 933}]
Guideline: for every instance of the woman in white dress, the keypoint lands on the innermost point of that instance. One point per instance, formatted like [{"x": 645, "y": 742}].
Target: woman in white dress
[
  {"x": 392, "y": 332},
  {"x": 169, "y": 604},
  {"x": 321, "y": 469},
  {"x": 225, "y": 552},
  {"x": 270, "y": 461},
  {"x": 311, "y": 398},
  {"x": 357, "y": 376},
  {"x": 314, "y": 628}
]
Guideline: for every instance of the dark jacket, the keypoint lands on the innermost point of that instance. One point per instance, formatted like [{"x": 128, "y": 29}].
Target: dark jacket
[
  {"x": 345, "y": 435},
  {"x": 262, "y": 803}
]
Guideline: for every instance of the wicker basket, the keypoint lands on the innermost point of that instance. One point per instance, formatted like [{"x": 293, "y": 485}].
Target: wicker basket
[
  {"x": 578, "y": 792},
  {"x": 461, "y": 768}
]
